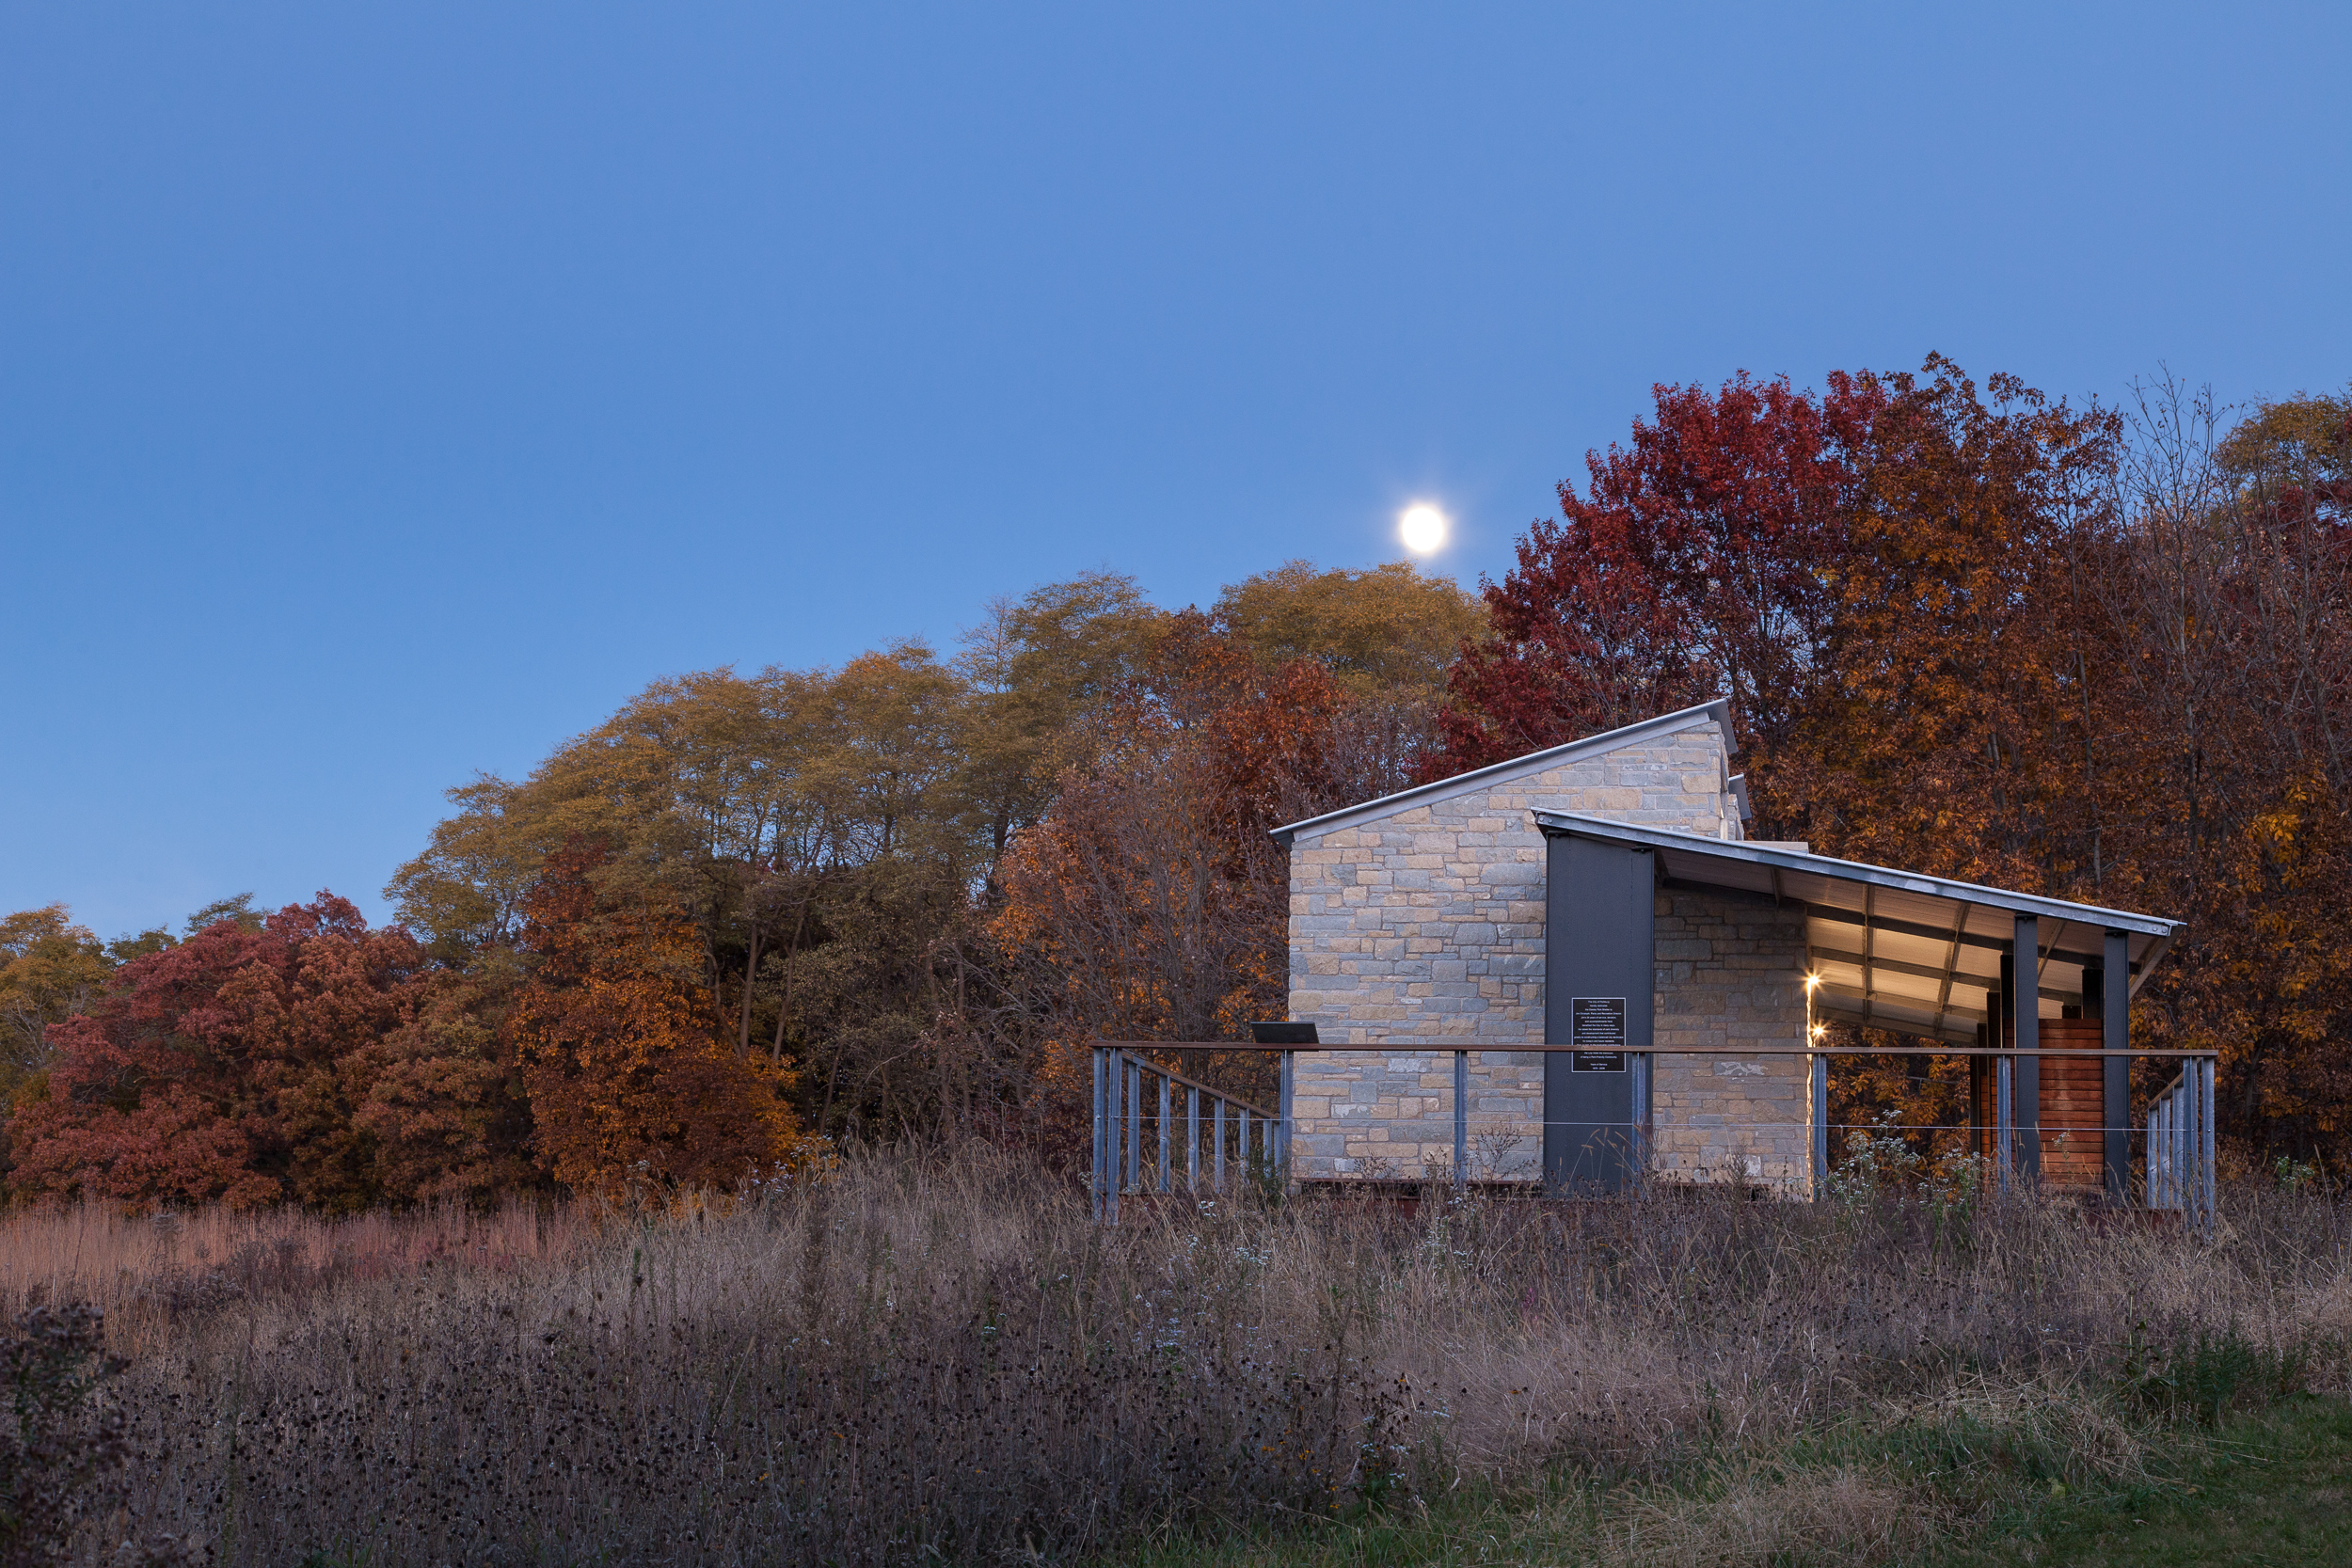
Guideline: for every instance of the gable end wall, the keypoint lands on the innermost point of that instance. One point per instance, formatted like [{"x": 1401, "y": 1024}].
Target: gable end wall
[{"x": 1427, "y": 925}]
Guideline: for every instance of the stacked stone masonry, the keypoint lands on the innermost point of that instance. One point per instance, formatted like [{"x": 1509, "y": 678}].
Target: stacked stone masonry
[
  {"x": 1730, "y": 974},
  {"x": 1423, "y": 926}
]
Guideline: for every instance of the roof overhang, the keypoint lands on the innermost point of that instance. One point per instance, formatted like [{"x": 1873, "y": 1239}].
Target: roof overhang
[
  {"x": 1719, "y": 711},
  {"x": 1897, "y": 949}
]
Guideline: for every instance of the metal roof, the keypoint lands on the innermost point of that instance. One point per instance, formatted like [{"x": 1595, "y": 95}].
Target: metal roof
[
  {"x": 1494, "y": 773},
  {"x": 1897, "y": 949}
]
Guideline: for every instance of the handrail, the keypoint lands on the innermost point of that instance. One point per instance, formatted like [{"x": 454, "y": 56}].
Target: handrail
[
  {"x": 1501, "y": 1048},
  {"x": 1226, "y": 1095},
  {"x": 1120, "y": 1111}
]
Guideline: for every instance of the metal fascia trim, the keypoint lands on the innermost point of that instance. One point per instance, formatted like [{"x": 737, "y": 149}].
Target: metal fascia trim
[{"x": 1568, "y": 824}]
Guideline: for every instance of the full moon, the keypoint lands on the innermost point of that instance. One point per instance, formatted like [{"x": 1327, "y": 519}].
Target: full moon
[{"x": 1422, "y": 527}]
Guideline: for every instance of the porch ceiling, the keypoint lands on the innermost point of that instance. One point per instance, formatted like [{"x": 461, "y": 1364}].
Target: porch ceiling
[{"x": 1893, "y": 948}]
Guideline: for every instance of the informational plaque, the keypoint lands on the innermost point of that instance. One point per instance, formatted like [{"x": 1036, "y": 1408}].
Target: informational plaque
[{"x": 1596, "y": 1034}]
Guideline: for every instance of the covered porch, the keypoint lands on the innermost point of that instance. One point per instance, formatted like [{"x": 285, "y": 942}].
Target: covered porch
[{"x": 2034, "y": 992}]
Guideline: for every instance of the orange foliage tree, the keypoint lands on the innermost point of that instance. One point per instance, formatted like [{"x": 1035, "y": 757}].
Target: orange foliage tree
[
  {"x": 446, "y": 1107},
  {"x": 627, "y": 1064},
  {"x": 1149, "y": 903}
]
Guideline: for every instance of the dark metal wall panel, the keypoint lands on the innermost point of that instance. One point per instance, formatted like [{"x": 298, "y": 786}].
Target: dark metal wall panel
[{"x": 1599, "y": 901}]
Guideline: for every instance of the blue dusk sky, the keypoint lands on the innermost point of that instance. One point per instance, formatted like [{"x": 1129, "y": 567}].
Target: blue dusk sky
[{"x": 388, "y": 391}]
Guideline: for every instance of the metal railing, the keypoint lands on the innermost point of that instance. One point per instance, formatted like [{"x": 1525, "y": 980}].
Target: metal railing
[
  {"x": 2179, "y": 1146},
  {"x": 1142, "y": 1136},
  {"x": 1147, "y": 1143}
]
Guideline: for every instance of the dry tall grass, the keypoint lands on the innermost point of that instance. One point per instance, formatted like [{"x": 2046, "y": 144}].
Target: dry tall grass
[
  {"x": 943, "y": 1356},
  {"x": 155, "y": 1275}
]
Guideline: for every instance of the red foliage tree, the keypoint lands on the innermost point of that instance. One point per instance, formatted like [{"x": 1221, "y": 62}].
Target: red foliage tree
[
  {"x": 1882, "y": 580},
  {"x": 228, "y": 1067},
  {"x": 1700, "y": 563}
]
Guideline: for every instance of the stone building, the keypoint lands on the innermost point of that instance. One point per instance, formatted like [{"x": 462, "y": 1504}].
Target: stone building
[
  {"x": 1420, "y": 918},
  {"x": 1693, "y": 963}
]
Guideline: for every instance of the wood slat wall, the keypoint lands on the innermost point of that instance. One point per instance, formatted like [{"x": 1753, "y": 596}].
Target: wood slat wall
[
  {"x": 2074, "y": 1105},
  {"x": 1982, "y": 1082}
]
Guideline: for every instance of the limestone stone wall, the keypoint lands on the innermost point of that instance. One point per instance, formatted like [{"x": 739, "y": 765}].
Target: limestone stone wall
[
  {"x": 1426, "y": 923},
  {"x": 1730, "y": 972}
]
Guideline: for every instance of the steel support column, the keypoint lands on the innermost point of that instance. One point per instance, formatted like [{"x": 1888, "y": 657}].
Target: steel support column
[
  {"x": 2112, "y": 1006},
  {"x": 2024, "y": 1039}
]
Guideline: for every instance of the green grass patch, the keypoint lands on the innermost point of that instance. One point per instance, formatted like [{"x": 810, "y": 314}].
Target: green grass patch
[
  {"x": 2270, "y": 1486},
  {"x": 2274, "y": 1487}
]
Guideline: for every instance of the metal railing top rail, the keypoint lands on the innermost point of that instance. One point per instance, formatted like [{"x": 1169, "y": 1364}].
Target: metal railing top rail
[
  {"x": 1497, "y": 1048},
  {"x": 1174, "y": 1077}
]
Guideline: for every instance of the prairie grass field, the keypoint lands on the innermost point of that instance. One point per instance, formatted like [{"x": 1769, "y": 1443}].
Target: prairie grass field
[{"x": 938, "y": 1356}]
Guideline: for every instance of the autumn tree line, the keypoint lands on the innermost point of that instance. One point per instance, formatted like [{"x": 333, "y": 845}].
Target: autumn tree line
[{"x": 2097, "y": 652}]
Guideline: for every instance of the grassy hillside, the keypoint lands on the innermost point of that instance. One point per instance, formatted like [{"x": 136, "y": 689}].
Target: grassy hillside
[{"x": 943, "y": 1359}]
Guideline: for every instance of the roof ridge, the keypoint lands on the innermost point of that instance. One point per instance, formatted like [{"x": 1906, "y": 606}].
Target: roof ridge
[{"x": 1446, "y": 789}]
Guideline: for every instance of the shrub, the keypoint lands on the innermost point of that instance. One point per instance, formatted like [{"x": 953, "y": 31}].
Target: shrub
[{"x": 60, "y": 1446}]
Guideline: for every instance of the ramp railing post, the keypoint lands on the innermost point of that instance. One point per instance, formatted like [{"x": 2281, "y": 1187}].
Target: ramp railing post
[
  {"x": 1282, "y": 1104},
  {"x": 2171, "y": 1147},
  {"x": 1134, "y": 1173},
  {"x": 2167, "y": 1150},
  {"x": 1820, "y": 1075},
  {"x": 1166, "y": 1090},
  {"x": 2184, "y": 1143},
  {"x": 2205, "y": 1160},
  {"x": 2005, "y": 1127},
  {"x": 2162, "y": 1150},
  {"x": 1094, "y": 1150},
  {"x": 1461, "y": 1119},
  {"x": 2181, "y": 1123},
  {"x": 1192, "y": 1140},
  {"x": 1114, "y": 1085}
]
